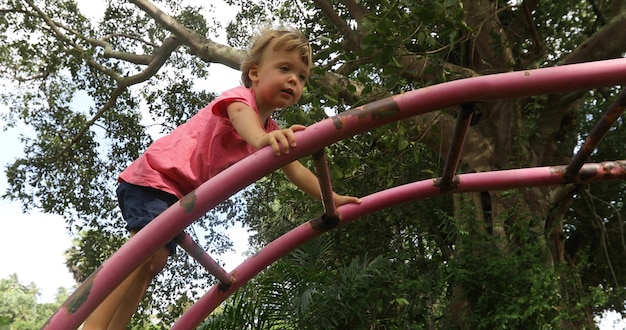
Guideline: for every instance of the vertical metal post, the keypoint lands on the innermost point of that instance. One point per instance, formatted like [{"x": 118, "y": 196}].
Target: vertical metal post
[
  {"x": 458, "y": 140},
  {"x": 597, "y": 134},
  {"x": 198, "y": 253},
  {"x": 326, "y": 189}
]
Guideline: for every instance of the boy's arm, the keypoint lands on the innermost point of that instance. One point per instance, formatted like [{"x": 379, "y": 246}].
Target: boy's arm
[
  {"x": 248, "y": 125},
  {"x": 304, "y": 179}
]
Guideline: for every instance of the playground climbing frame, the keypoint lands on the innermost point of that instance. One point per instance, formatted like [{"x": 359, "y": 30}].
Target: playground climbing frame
[{"x": 315, "y": 138}]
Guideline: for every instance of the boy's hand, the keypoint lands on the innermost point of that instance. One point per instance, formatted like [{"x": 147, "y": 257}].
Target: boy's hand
[
  {"x": 282, "y": 140},
  {"x": 341, "y": 199},
  {"x": 246, "y": 123}
]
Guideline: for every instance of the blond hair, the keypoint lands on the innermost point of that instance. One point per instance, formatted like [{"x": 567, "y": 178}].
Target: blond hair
[{"x": 286, "y": 39}]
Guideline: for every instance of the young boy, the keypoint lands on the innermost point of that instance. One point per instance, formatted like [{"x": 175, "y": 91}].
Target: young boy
[{"x": 231, "y": 127}]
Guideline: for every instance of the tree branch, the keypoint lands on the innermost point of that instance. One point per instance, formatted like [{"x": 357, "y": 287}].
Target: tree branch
[
  {"x": 110, "y": 104},
  {"x": 357, "y": 10},
  {"x": 482, "y": 17},
  {"x": 602, "y": 45},
  {"x": 337, "y": 85},
  {"x": 157, "y": 60},
  {"x": 154, "y": 63},
  {"x": 352, "y": 41},
  {"x": 597, "y": 12},
  {"x": 160, "y": 56},
  {"x": 606, "y": 43},
  {"x": 140, "y": 59},
  {"x": 522, "y": 27},
  {"x": 415, "y": 69},
  {"x": 55, "y": 30},
  {"x": 206, "y": 49}
]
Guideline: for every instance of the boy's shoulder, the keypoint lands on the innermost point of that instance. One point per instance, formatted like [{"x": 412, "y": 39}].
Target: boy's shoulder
[{"x": 236, "y": 92}]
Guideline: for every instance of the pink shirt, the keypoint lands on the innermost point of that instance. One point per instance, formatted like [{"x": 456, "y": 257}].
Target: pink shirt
[{"x": 196, "y": 150}]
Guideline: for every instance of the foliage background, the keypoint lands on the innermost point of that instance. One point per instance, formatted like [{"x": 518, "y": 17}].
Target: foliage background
[{"x": 532, "y": 258}]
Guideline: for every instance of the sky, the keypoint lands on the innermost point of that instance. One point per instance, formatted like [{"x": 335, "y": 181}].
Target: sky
[{"x": 33, "y": 244}]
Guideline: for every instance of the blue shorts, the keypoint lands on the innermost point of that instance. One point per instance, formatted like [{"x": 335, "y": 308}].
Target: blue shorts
[{"x": 140, "y": 205}]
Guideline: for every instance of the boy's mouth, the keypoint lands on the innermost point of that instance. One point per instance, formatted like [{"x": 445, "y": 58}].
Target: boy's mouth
[{"x": 288, "y": 91}]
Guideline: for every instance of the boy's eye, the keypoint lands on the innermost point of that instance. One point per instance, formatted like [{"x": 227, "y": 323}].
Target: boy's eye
[
  {"x": 302, "y": 77},
  {"x": 284, "y": 68}
]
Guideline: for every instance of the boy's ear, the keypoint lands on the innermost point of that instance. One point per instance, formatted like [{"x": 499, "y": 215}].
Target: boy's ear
[{"x": 253, "y": 73}]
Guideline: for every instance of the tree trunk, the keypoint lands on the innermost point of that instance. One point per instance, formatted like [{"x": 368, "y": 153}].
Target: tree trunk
[{"x": 510, "y": 223}]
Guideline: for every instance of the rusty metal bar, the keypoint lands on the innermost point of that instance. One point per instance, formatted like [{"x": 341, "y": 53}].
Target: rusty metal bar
[
  {"x": 326, "y": 188},
  {"x": 165, "y": 227},
  {"x": 597, "y": 134},
  {"x": 198, "y": 253},
  {"x": 456, "y": 147},
  {"x": 473, "y": 182}
]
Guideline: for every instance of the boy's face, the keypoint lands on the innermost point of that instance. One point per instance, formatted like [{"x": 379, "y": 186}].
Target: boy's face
[{"x": 279, "y": 79}]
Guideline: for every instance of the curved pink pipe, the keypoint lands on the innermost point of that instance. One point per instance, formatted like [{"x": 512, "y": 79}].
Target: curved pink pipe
[
  {"x": 487, "y": 181},
  {"x": 178, "y": 217}
]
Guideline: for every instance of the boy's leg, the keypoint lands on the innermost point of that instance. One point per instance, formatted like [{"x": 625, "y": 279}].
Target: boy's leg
[
  {"x": 147, "y": 271},
  {"x": 117, "y": 309},
  {"x": 102, "y": 315}
]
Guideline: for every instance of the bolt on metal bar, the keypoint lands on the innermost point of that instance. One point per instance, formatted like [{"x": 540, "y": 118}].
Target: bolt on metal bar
[
  {"x": 198, "y": 253},
  {"x": 454, "y": 152},
  {"x": 326, "y": 188},
  {"x": 597, "y": 134}
]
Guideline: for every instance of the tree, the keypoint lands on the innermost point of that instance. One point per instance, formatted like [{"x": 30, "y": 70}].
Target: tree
[
  {"x": 19, "y": 308},
  {"x": 479, "y": 252}
]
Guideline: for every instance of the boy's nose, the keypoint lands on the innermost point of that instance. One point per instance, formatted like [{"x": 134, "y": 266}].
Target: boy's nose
[{"x": 293, "y": 79}]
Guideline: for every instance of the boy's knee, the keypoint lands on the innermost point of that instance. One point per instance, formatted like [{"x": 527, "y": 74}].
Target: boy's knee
[
  {"x": 155, "y": 263},
  {"x": 158, "y": 261}
]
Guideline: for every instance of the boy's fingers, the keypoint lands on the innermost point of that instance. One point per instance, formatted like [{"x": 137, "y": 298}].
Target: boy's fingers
[
  {"x": 283, "y": 142},
  {"x": 275, "y": 146},
  {"x": 288, "y": 139},
  {"x": 291, "y": 137},
  {"x": 348, "y": 199},
  {"x": 276, "y": 143},
  {"x": 284, "y": 139}
]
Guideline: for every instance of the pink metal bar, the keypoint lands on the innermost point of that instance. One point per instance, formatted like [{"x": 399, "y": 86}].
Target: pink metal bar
[
  {"x": 458, "y": 140},
  {"x": 597, "y": 133},
  {"x": 326, "y": 187},
  {"x": 361, "y": 119},
  {"x": 488, "y": 181},
  {"x": 198, "y": 253},
  {"x": 494, "y": 180}
]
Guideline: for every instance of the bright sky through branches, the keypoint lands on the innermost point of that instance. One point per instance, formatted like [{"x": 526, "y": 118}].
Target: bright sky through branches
[{"x": 33, "y": 244}]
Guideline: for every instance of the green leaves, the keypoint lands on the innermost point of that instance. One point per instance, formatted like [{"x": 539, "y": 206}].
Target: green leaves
[
  {"x": 19, "y": 308},
  {"x": 399, "y": 268}
]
